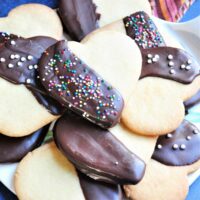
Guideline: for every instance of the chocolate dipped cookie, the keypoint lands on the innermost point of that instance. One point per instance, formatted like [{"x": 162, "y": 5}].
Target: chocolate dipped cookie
[
  {"x": 97, "y": 152},
  {"x": 24, "y": 106},
  {"x": 80, "y": 17},
  {"x": 76, "y": 75},
  {"x": 59, "y": 179}
]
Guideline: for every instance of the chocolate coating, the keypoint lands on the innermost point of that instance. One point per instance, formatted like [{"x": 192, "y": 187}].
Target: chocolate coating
[
  {"x": 96, "y": 152},
  {"x": 179, "y": 148},
  {"x": 95, "y": 190},
  {"x": 193, "y": 101},
  {"x": 14, "y": 149},
  {"x": 79, "y": 17},
  {"x": 49, "y": 103},
  {"x": 16, "y": 51},
  {"x": 74, "y": 84},
  {"x": 169, "y": 63},
  {"x": 18, "y": 64},
  {"x": 140, "y": 27}
]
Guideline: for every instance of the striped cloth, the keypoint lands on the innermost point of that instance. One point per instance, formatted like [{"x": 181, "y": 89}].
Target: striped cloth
[{"x": 170, "y": 10}]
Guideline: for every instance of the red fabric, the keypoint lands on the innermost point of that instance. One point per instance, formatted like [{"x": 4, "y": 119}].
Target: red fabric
[{"x": 170, "y": 10}]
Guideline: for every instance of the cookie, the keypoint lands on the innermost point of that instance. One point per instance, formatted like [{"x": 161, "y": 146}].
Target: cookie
[
  {"x": 14, "y": 149},
  {"x": 59, "y": 179},
  {"x": 180, "y": 147},
  {"x": 83, "y": 17},
  {"x": 105, "y": 163},
  {"x": 150, "y": 109},
  {"x": 32, "y": 20},
  {"x": 84, "y": 90},
  {"x": 160, "y": 183},
  {"x": 157, "y": 93},
  {"x": 24, "y": 106}
]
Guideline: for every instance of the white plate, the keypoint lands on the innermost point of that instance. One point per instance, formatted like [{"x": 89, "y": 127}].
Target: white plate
[{"x": 188, "y": 34}]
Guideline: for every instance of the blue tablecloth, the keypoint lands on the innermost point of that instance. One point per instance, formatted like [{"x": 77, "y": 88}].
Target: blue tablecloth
[{"x": 7, "y": 5}]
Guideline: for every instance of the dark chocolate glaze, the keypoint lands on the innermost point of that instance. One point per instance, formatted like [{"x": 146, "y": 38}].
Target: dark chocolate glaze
[
  {"x": 179, "y": 70},
  {"x": 179, "y": 148},
  {"x": 79, "y": 17},
  {"x": 49, "y": 103},
  {"x": 96, "y": 152},
  {"x": 95, "y": 190},
  {"x": 19, "y": 65},
  {"x": 14, "y": 149},
  {"x": 140, "y": 27},
  {"x": 193, "y": 101},
  {"x": 143, "y": 31},
  {"x": 74, "y": 84}
]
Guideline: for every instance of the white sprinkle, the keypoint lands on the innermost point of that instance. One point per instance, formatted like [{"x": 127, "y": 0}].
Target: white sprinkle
[
  {"x": 43, "y": 79},
  {"x": 23, "y": 59},
  {"x": 182, "y": 147},
  {"x": 149, "y": 61},
  {"x": 169, "y": 135},
  {"x": 172, "y": 71},
  {"x": 30, "y": 67},
  {"x": 188, "y": 137},
  {"x": 116, "y": 163},
  {"x": 12, "y": 56},
  {"x": 171, "y": 63},
  {"x": 28, "y": 80},
  {"x": 154, "y": 59},
  {"x": 183, "y": 66},
  {"x": 19, "y": 64},
  {"x": 175, "y": 146},
  {"x": 159, "y": 146},
  {"x": 10, "y": 65},
  {"x": 17, "y": 56},
  {"x": 12, "y": 42},
  {"x": 157, "y": 56},
  {"x": 46, "y": 74},
  {"x": 188, "y": 67},
  {"x": 149, "y": 55},
  {"x": 70, "y": 105},
  {"x": 170, "y": 57},
  {"x": 195, "y": 131},
  {"x": 29, "y": 57},
  {"x": 2, "y": 59},
  {"x": 189, "y": 62},
  {"x": 35, "y": 66}
]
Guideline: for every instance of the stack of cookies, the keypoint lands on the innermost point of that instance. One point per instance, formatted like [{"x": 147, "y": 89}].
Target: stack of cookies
[{"x": 116, "y": 92}]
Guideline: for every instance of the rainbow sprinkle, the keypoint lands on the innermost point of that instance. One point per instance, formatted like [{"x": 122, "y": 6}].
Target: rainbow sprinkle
[{"x": 142, "y": 29}]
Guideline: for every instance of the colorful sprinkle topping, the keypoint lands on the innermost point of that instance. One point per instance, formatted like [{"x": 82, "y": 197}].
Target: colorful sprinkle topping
[
  {"x": 78, "y": 87},
  {"x": 141, "y": 28}
]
